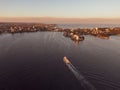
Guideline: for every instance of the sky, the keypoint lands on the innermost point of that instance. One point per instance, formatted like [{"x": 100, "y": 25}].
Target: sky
[{"x": 81, "y": 9}]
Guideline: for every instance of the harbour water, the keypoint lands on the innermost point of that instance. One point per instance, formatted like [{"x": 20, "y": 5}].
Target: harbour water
[
  {"x": 88, "y": 25},
  {"x": 34, "y": 61}
]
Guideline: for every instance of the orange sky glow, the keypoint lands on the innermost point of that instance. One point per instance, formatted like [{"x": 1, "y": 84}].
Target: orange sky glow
[{"x": 61, "y": 20}]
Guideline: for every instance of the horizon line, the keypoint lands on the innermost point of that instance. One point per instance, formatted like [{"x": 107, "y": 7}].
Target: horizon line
[
  {"x": 63, "y": 17},
  {"x": 60, "y": 20}
]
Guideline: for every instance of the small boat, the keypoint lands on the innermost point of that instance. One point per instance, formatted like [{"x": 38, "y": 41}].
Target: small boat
[{"x": 81, "y": 79}]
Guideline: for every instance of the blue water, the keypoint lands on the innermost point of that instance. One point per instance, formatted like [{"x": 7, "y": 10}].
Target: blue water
[{"x": 34, "y": 61}]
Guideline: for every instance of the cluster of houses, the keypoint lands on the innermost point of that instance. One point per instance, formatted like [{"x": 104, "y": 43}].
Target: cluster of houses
[
  {"x": 33, "y": 28},
  {"x": 19, "y": 28},
  {"x": 75, "y": 34},
  {"x": 78, "y": 34}
]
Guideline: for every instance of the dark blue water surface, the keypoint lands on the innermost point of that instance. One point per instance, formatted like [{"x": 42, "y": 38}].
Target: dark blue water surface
[{"x": 34, "y": 61}]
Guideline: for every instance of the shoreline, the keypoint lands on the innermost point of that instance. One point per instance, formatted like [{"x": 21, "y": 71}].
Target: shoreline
[{"x": 103, "y": 32}]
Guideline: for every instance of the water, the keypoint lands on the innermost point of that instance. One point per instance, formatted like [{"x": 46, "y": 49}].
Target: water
[
  {"x": 88, "y": 25},
  {"x": 34, "y": 61}
]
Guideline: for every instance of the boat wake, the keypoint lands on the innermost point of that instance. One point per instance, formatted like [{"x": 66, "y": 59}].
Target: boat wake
[
  {"x": 101, "y": 81},
  {"x": 83, "y": 82}
]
